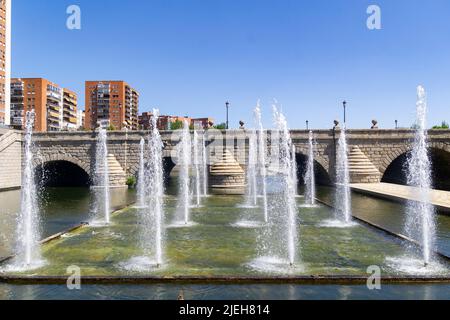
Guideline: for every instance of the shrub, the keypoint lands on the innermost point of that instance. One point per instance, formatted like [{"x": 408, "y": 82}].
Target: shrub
[{"x": 131, "y": 182}]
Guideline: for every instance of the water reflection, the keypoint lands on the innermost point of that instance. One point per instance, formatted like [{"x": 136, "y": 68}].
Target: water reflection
[
  {"x": 229, "y": 292},
  {"x": 61, "y": 208}
]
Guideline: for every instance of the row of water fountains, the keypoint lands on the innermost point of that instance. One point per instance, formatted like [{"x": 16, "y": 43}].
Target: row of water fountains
[{"x": 278, "y": 240}]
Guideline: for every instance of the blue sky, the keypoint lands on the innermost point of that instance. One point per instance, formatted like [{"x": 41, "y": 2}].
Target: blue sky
[{"x": 187, "y": 57}]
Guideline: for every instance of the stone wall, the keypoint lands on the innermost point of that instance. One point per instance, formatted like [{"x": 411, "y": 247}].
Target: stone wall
[{"x": 10, "y": 159}]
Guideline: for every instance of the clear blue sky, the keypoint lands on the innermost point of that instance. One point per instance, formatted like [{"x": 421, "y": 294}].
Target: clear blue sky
[{"x": 188, "y": 57}]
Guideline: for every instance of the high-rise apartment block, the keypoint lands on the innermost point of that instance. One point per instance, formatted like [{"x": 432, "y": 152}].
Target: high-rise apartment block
[
  {"x": 5, "y": 61},
  {"x": 80, "y": 119},
  {"x": 55, "y": 107},
  {"x": 113, "y": 102}
]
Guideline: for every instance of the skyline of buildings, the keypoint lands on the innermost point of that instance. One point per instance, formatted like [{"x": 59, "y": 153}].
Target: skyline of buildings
[
  {"x": 55, "y": 107},
  {"x": 165, "y": 122}
]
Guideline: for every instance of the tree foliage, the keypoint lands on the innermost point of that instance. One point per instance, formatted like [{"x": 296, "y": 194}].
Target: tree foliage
[{"x": 444, "y": 125}]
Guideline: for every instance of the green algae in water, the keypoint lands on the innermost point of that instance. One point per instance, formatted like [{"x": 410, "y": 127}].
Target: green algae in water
[{"x": 213, "y": 246}]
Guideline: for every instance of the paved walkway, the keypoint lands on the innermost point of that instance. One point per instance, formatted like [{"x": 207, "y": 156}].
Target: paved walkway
[{"x": 441, "y": 199}]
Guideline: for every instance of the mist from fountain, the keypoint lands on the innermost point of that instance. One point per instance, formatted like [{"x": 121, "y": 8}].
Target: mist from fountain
[
  {"x": 151, "y": 213},
  {"x": 261, "y": 161},
  {"x": 310, "y": 192},
  {"x": 420, "y": 222},
  {"x": 102, "y": 187},
  {"x": 278, "y": 241},
  {"x": 204, "y": 165},
  {"x": 197, "y": 166},
  {"x": 141, "y": 175},
  {"x": 184, "y": 161},
  {"x": 252, "y": 190},
  {"x": 294, "y": 169},
  {"x": 156, "y": 187},
  {"x": 28, "y": 229},
  {"x": 289, "y": 173},
  {"x": 343, "y": 192}
]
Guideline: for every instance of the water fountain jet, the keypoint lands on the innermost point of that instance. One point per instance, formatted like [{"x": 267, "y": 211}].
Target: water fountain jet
[
  {"x": 102, "y": 174},
  {"x": 204, "y": 165},
  {"x": 420, "y": 222},
  {"x": 278, "y": 241},
  {"x": 156, "y": 186},
  {"x": 343, "y": 192},
  {"x": 261, "y": 160},
  {"x": 310, "y": 193},
  {"x": 28, "y": 232},
  {"x": 184, "y": 160},
  {"x": 252, "y": 192},
  {"x": 197, "y": 165},
  {"x": 141, "y": 175}
]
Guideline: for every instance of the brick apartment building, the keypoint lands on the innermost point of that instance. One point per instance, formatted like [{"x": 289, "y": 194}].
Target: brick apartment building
[
  {"x": 5, "y": 60},
  {"x": 55, "y": 107},
  {"x": 165, "y": 122},
  {"x": 113, "y": 101}
]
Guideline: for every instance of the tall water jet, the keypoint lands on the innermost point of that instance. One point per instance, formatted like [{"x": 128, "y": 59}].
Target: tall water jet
[
  {"x": 286, "y": 160},
  {"x": 102, "y": 175},
  {"x": 310, "y": 191},
  {"x": 151, "y": 214},
  {"x": 184, "y": 161},
  {"x": 28, "y": 233},
  {"x": 262, "y": 160},
  {"x": 420, "y": 222},
  {"x": 278, "y": 240},
  {"x": 197, "y": 166},
  {"x": 156, "y": 187},
  {"x": 294, "y": 169},
  {"x": 141, "y": 175},
  {"x": 204, "y": 166},
  {"x": 343, "y": 192},
  {"x": 252, "y": 190}
]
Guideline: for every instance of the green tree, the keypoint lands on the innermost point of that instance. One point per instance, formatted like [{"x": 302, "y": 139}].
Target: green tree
[
  {"x": 176, "y": 125},
  {"x": 111, "y": 128},
  {"x": 444, "y": 125},
  {"x": 221, "y": 126}
]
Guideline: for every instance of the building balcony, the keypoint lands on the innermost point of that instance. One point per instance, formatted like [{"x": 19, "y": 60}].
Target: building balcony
[
  {"x": 53, "y": 102},
  {"x": 53, "y": 115},
  {"x": 17, "y": 121},
  {"x": 54, "y": 97},
  {"x": 70, "y": 100}
]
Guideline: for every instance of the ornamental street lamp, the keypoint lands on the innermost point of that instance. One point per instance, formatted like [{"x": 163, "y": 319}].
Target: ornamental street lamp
[
  {"x": 227, "y": 105},
  {"x": 345, "y": 111}
]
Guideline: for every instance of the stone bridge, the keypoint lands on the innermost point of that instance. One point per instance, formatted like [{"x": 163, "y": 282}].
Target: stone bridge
[{"x": 374, "y": 155}]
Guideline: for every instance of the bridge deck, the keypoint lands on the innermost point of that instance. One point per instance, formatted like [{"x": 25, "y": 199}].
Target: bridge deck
[{"x": 439, "y": 198}]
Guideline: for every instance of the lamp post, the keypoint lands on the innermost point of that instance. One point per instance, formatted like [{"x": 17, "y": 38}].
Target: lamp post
[
  {"x": 345, "y": 112},
  {"x": 307, "y": 125},
  {"x": 227, "y": 105},
  {"x": 396, "y": 124}
]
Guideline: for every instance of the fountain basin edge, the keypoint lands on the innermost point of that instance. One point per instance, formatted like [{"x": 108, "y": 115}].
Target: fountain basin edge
[{"x": 312, "y": 279}]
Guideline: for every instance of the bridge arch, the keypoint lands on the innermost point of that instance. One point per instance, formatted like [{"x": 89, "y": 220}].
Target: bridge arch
[
  {"x": 61, "y": 170},
  {"x": 395, "y": 171},
  {"x": 320, "y": 167}
]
